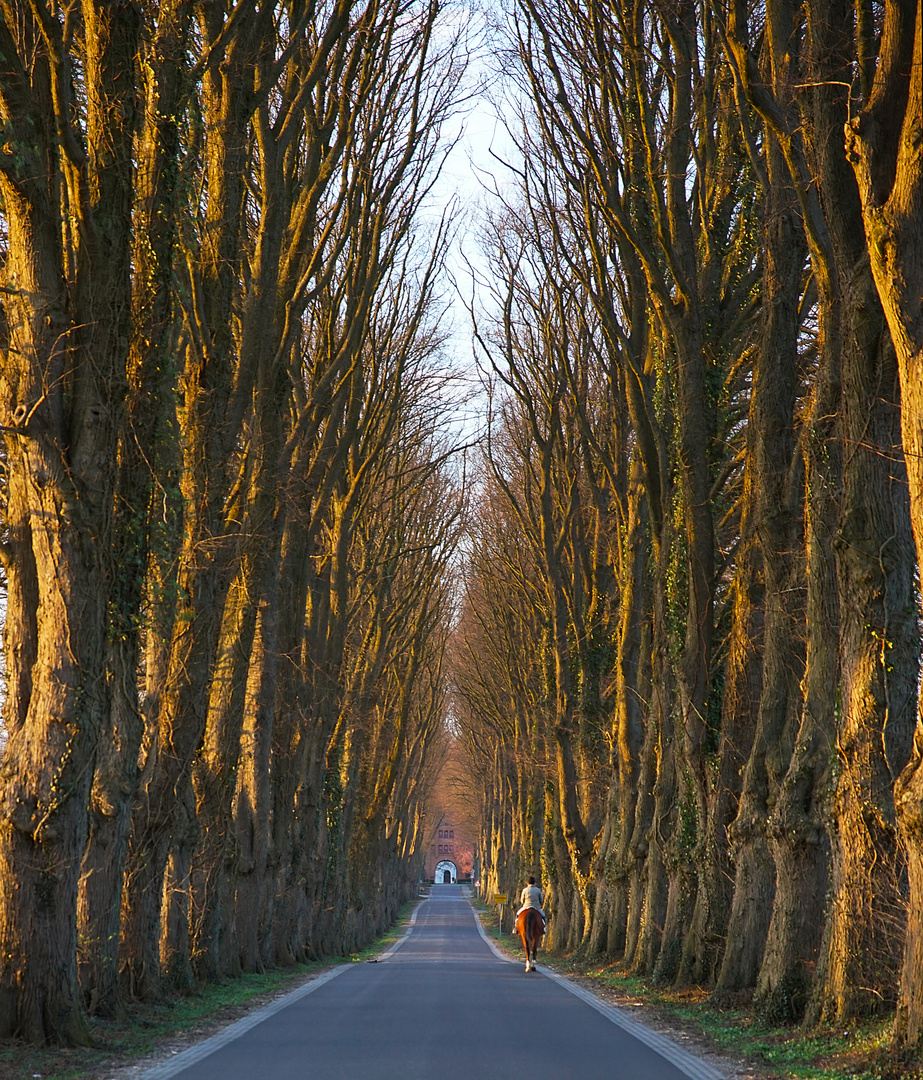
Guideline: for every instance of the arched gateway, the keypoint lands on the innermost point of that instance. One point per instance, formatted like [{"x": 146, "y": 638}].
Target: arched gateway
[{"x": 446, "y": 873}]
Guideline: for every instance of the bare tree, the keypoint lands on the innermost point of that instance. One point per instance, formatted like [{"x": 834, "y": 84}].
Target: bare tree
[
  {"x": 66, "y": 184},
  {"x": 883, "y": 145}
]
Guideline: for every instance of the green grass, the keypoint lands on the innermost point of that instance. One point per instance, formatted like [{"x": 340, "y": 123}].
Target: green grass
[
  {"x": 490, "y": 920},
  {"x": 389, "y": 937}
]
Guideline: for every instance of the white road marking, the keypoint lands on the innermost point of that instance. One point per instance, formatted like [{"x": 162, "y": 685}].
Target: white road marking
[
  {"x": 687, "y": 1063},
  {"x": 233, "y": 1031},
  {"x": 406, "y": 935},
  {"x": 493, "y": 948},
  {"x": 693, "y": 1067}
]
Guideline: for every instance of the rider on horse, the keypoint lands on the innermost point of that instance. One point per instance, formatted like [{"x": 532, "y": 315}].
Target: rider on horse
[{"x": 532, "y": 898}]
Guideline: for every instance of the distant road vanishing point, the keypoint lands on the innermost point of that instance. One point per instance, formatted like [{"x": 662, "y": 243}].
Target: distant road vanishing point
[{"x": 440, "y": 1002}]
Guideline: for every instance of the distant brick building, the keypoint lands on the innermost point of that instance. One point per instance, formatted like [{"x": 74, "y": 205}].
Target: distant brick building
[{"x": 450, "y": 856}]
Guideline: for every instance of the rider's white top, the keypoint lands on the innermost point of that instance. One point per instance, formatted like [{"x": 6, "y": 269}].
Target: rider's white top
[{"x": 531, "y": 897}]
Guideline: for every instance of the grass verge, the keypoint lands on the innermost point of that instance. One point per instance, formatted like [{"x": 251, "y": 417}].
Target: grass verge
[
  {"x": 746, "y": 1045},
  {"x": 147, "y": 1033}
]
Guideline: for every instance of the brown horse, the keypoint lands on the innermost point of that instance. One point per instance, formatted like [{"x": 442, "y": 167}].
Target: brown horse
[{"x": 531, "y": 928}]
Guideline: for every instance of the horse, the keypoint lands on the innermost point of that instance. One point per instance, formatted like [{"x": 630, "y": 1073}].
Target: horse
[{"x": 531, "y": 928}]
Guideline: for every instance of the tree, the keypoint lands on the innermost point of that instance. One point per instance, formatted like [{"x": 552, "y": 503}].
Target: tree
[
  {"x": 218, "y": 326},
  {"x": 67, "y": 303},
  {"x": 883, "y": 143}
]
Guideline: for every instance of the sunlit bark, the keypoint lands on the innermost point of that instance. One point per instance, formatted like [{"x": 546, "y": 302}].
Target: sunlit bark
[
  {"x": 884, "y": 145},
  {"x": 67, "y": 196}
]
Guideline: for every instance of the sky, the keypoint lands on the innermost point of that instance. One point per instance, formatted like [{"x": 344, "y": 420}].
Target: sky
[{"x": 470, "y": 175}]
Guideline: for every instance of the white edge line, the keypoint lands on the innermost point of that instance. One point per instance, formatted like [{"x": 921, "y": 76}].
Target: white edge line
[
  {"x": 406, "y": 935},
  {"x": 666, "y": 1048},
  {"x": 233, "y": 1031},
  {"x": 686, "y": 1062},
  {"x": 490, "y": 944}
]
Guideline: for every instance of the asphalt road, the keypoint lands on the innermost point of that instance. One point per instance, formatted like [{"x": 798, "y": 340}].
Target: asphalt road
[{"x": 441, "y": 1003}]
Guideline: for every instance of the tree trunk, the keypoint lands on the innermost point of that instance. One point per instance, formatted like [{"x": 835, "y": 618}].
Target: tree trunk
[
  {"x": 878, "y": 640},
  {"x": 253, "y": 798},
  {"x": 879, "y": 647},
  {"x": 884, "y": 146},
  {"x": 640, "y": 840},
  {"x": 705, "y": 941},
  {"x": 777, "y": 495},
  {"x": 796, "y": 831},
  {"x": 114, "y": 785},
  {"x": 215, "y": 779},
  {"x": 66, "y": 308},
  {"x": 662, "y": 749},
  {"x": 116, "y": 778},
  {"x": 630, "y": 724},
  {"x": 682, "y": 881}
]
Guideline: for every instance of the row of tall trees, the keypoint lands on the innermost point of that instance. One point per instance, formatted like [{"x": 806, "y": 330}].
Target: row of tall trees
[
  {"x": 688, "y": 661},
  {"x": 227, "y": 510}
]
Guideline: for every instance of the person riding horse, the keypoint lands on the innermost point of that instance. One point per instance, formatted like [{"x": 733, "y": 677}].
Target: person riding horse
[
  {"x": 532, "y": 898},
  {"x": 530, "y": 922}
]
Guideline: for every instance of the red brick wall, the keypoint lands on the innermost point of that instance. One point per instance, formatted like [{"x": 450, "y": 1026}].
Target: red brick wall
[{"x": 449, "y": 842}]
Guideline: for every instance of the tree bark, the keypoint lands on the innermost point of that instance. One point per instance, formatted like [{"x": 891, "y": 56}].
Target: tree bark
[
  {"x": 67, "y": 305},
  {"x": 777, "y": 495},
  {"x": 796, "y": 831},
  {"x": 144, "y": 424},
  {"x": 885, "y": 148},
  {"x": 878, "y": 638}
]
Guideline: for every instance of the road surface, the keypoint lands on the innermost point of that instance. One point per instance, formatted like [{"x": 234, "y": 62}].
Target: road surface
[{"x": 440, "y": 1003}]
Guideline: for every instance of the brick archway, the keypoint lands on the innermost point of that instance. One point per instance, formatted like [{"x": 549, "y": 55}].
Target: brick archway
[{"x": 443, "y": 867}]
